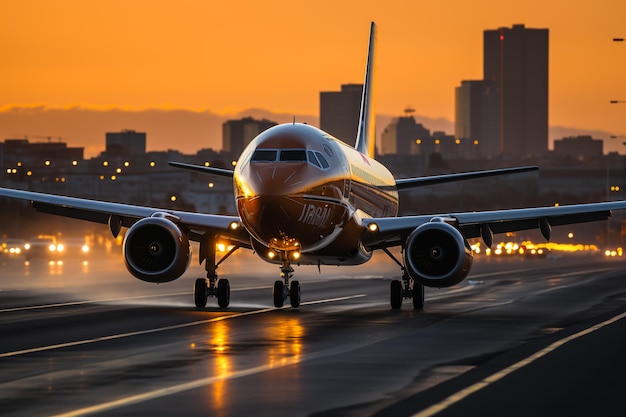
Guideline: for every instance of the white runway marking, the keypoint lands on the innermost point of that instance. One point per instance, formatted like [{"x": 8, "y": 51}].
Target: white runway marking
[
  {"x": 163, "y": 329},
  {"x": 175, "y": 389},
  {"x": 113, "y": 300},
  {"x": 464, "y": 393}
]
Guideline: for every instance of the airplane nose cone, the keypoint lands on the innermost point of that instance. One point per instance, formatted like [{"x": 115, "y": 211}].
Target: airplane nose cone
[
  {"x": 278, "y": 202},
  {"x": 271, "y": 202}
]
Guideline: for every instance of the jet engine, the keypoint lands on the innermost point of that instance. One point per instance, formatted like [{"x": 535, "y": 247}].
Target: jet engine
[
  {"x": 437, "y": 255},
  {"x": 156, "y": 250}
]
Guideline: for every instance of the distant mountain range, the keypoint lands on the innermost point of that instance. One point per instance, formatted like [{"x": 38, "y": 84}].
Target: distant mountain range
[{"x": 183, "y": 130}]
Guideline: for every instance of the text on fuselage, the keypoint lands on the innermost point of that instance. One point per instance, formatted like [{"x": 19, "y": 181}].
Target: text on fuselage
[{"x": 314, "y": 215}]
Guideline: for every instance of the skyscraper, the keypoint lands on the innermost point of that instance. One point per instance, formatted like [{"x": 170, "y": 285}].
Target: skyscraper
[
  {"x": 477, "y": 117},
  {"x": 404, "y": 136},
  {"x": 339, "y": 112},
  {"x": 237, "y": 134},
  {"x": 125, "y": 143},
  {"x": 517, "y": 60}
]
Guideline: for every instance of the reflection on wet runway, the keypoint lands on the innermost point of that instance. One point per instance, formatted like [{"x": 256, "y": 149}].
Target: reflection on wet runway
[{"x": 86, "y": 338}]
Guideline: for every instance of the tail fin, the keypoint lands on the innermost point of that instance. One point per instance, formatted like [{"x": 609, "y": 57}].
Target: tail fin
[{"x": 366, "y": 134}]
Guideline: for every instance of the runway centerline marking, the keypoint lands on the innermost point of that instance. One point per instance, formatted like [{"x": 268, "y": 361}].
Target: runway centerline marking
[
  {"x": 111, "y": 300},
  {"x": 466, "y": 392},
  {"x": 166, "y": 328},
  {"x": 198, "y": 383}
]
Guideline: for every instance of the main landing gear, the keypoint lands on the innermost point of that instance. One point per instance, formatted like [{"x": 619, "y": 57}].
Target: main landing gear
[
  {"x": 407, "y": 288},
  {"x": 211, "y": 286},
  {"x": 284, "y": 290}
]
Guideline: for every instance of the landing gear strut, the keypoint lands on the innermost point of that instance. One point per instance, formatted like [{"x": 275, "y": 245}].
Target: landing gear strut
[
  {"x": 407, "y": 288},
  {"x": 211, "y": 286},
  {"x": 282, "y": 289}
]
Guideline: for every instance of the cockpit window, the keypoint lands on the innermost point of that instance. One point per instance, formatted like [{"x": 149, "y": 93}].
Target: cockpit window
[
  {"x": 323, "y": 160},
  {"x": 313, "y": 159},
  {"x": 293, "y": 155},
  {"x": 264, "y": 155}
]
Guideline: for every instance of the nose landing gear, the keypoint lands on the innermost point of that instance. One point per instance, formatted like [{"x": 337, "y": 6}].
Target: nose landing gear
[{"x": 284, "y": 290}]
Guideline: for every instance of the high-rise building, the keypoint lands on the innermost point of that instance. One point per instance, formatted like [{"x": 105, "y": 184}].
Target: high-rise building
[
  {"x": 517, "y": 60},
  {"x": 237, "y": 134},
  {"x": 477, "y": 118},
  {"x": 125, "y": 143},
  {"x": 339, "y": 112},
  {"x": 404, "y": 136}
]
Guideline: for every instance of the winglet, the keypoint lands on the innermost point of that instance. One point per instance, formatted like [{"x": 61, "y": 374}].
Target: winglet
[{"x": 366, "y": 134}]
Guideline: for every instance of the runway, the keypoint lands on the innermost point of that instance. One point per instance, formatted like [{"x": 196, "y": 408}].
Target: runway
[{"x": 86, "y": 338}]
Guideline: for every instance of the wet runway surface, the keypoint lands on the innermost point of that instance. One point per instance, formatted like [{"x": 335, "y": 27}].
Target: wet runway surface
[{"x": 89, "y": 339}]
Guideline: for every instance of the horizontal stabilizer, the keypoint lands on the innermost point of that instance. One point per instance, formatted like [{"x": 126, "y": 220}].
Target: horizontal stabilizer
[
  {"x": 406, "y": 183},
  {"x": 207, "y": 170}
]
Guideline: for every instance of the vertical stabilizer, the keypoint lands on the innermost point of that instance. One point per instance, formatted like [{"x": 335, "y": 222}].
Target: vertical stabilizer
[{"x": 366, "y": 134}]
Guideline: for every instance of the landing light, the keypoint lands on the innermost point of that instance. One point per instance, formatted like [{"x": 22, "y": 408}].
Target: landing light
[
  {"x": 233, "y": 226},
  {"x": 271, "y": 254},
  {"x": 296, "y": 255},
  {"x": 372, "y": 227}
]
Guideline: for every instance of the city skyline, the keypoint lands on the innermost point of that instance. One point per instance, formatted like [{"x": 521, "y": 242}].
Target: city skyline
[{"x": 228, "y": 58}]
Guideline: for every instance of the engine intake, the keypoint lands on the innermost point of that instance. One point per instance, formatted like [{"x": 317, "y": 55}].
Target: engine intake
[
  {"x": 437, "y": 255},
  {"x": 156, "y": 250}
]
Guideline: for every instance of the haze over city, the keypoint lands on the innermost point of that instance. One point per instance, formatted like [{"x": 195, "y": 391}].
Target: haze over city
[{"x": 219, "y": 60}]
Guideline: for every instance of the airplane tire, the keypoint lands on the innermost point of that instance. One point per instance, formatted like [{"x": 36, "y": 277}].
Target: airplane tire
[
  {"x": 418, "y": 296},
  {"x": 279, "y": 288},
  {"x": 294, "y": 294},
  {"x": 223, "y": 293},
  {"x": 200, "y": 292},
  {"x": 395, "y": 294}
]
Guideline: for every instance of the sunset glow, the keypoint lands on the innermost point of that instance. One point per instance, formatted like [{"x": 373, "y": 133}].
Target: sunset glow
[{"x": 278, "y": 55}]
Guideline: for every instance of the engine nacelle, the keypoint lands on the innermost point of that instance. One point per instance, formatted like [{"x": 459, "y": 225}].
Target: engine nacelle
[
  {"x": 437, "y": 255},
  {"x": 156, "y": 250}
]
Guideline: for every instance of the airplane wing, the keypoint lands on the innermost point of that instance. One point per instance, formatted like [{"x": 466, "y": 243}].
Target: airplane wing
[
  {"x": 393, "y": 231},
  {"x": 117, "y": 215},
  {"x": 406, "y": 183},
  {"x": 206, "y": 170}
]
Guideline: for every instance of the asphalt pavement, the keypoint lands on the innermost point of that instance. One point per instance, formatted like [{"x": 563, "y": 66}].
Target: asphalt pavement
[{"x": 519, "y": 337}]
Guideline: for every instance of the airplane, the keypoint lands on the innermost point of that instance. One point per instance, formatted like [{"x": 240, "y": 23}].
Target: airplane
[{"x": 304, "y": 197}]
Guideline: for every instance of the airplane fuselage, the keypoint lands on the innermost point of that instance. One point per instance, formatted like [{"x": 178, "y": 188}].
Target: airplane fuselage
[{"x": 300, "y": 190}]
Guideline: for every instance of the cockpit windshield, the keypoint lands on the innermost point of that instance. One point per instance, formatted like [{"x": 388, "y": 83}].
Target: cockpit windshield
[
  {"x": 264, "y": 155},
  {"x": 293, "y": 155},
  {"x": 290, "y": 155}
]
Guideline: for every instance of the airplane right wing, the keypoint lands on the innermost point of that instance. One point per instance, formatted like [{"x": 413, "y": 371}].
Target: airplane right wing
[
  {"x": 118, "y": 215},
  {"x": 393, "y": 231}
]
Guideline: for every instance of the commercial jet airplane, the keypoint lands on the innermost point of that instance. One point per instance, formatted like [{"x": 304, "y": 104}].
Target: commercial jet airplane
[{"x": 305, "y": 197}]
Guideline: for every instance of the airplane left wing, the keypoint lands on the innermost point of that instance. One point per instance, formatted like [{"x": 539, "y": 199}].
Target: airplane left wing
[
  {"x": 118, "y": 215},
  {"x": 408, "y": 183},
  {"x": 393, "y": 231}
]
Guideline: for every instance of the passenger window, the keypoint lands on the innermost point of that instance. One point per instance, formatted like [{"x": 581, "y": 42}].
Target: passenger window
[
  {"x": 312, "y": 159},
  {"x": 293, "y": 155},
  {"x": 322, "y": 160},
  {"x": 264, "y": 155}
]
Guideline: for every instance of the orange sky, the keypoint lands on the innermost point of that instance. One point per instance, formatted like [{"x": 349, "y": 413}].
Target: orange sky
[{"x": 227, "y": 56}]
